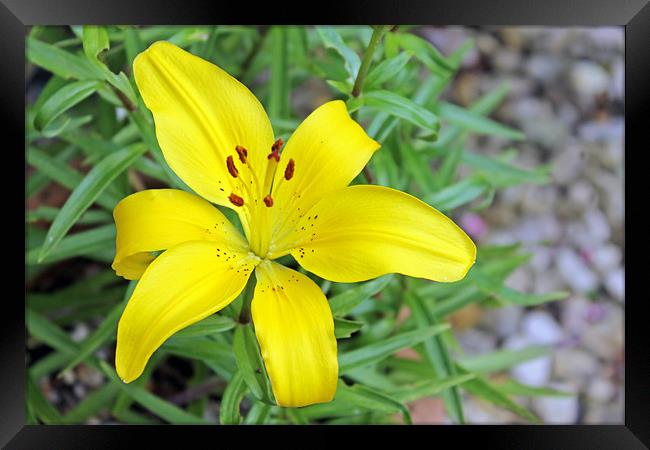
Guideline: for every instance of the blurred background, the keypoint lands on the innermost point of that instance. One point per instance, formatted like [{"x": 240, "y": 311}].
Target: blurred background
[{"x": 566, "y": 95}]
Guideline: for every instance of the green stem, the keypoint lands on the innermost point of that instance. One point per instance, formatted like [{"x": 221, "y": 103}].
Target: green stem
[
  {"x": 245, "y": 314},
  {"x": 377, "y": 34}
]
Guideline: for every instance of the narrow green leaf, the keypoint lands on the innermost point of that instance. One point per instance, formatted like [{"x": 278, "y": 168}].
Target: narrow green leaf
[
  {"x": 48, "y": 213},
  {"x": 207, "y": 327},
  {"x": 95, "y": 41},
  {"x": 39, "y": 406},
  {"x": 437, "y": 355},
  {"x": 483, "y": 389},
  {"x": 44, "y": 330},
  {"x": 93, "y": 403},
  {"x": 476, "y": 122},
  {"x": 57, "y": 170},
  {"x": 250, "y": 363},
  {"x": 332, "y": 39},
  {"x": 280, "y": 83},
  {"x": 233, "y": 395},
  {"x": 93, "y": 184},
  {"x": 402, "y": 107},
  {"x": 386, "y": 70},
  {"x": 345, "y": 302},
  {"x": 426, "y": 53},
  {"x": 502, "y": 359},
  {"x": 457, "y": 194},
  {"x": 165, "y": 410},
  {"x": 512, "y": 387},
  {"x": 104, "y": 332},
  {"x": 428, "y": 388},
  {"x": 344, "y": 328},
  {"x": 258, "y": 414},
  {"x": 64, "y": 99},
  {"x": 216, "y": 355},
  {"x": 60, "y": 62},
  {"x": 84, "y": 243},
  {"x": 502, "y": 174},
  {"x": 375, "y": 352},
  {"x": 372, "y": 399}
]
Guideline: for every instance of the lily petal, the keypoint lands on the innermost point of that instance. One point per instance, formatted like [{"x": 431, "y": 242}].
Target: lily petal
[
  {"x": 158, "y": 219},
  {"x": 324, "y": 154},
  {"x": 295, "y": 329},
  {"x": 201, "y": 114},
  {"x": 362, "y": 232},
  {"x": 182, "y": 286}
]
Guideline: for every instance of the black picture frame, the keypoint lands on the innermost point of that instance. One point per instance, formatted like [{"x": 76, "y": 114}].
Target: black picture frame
[{"x": 632, "y": 15}]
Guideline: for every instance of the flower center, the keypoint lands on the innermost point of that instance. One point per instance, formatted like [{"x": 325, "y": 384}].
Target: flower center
[{"x": 252, "y": 195}]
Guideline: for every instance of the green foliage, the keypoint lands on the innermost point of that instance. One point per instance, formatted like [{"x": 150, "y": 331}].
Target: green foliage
[{"x": 89, "y": 132}]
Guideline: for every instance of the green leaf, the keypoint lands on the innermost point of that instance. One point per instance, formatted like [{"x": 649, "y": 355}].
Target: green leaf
[
  {"x": 162, "y": 408},
  {"x": 428, "y": 388},
  {"x": 502, "y": 359},
  {"x": 402, "y": 107},
  {"x": 104, "y": 332},
  {"x": 95, "y": 41},
  {"x": 437, "y": 355},
  {"x": 280, "y": 83},
  {"x": 502, "y": 174},
  {"x": 375, "y": 352},
  {"x": 209, "y": 326},
  {"x": 512, "y": 387},
  {"x": 65, "y": 98},
  {"x": 216, "y": 355},
  {"x": 345, "y": 302},
  {"x": 258, "y": 414},
  {"x": 93, "y": 403},
  {"x": 457, "y": 194},
  {"x": 344, "y": 328},
  {"x": 59, "y": 62},
  {"x": 39, "y": 406},
  {"x": 232, "y": 397},
  {"x": 386, "y": 70},
  {"x": 84, "y": 243},
  {"x": 44, "y": 330},
  {"x": 476, "y": 122},
  {"x": 332, "y": 39},
  {"x": 250, "y": 363},
  {"x": 65, "y": 175},
  {"x": 48, "y": 213},
  {"x": 93, "y": 184},
  {"x": 426, "y": 53},
  {"x": 483, "y": 389},
  {"x": 372, "y": 399}
]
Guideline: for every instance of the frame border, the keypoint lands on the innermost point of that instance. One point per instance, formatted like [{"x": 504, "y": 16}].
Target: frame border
[{"x": 632, "y": 15}]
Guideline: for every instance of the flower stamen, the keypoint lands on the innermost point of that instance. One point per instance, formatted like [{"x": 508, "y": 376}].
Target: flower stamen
[
  {"x": 236, "y": 199},
  {"x": 231, "y": 167},
  {"x": 268, "y": 201},
  {"x": 288, "y": 172}
]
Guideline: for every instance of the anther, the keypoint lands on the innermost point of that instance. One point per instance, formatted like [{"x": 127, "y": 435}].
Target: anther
[
  {"x": 288, "y": 172},
  {"x": 242, "y": 152},
  {"x": 231, "y": 167},
  {"x": 275, "y": 150},
  {"x": 236, "y": 199},
  {"x": 268, "y": 201}
]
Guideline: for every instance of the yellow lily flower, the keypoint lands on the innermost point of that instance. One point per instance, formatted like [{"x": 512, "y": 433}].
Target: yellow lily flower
[{"x": 216, "y": 136}]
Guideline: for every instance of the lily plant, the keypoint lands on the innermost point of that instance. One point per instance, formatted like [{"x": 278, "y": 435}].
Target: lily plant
[{"x": 216, "y": 136}]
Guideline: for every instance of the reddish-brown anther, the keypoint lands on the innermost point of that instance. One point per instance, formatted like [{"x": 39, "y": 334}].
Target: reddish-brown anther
[
  {"x": 268, "y": 201},
  {"x": 231, "y": 167},
  {"x": 275, "y": 150},
  {"x": 242, "y": 152},
  {"x": 288, "y": 172},
  {"x": 236, "y": 199}
]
